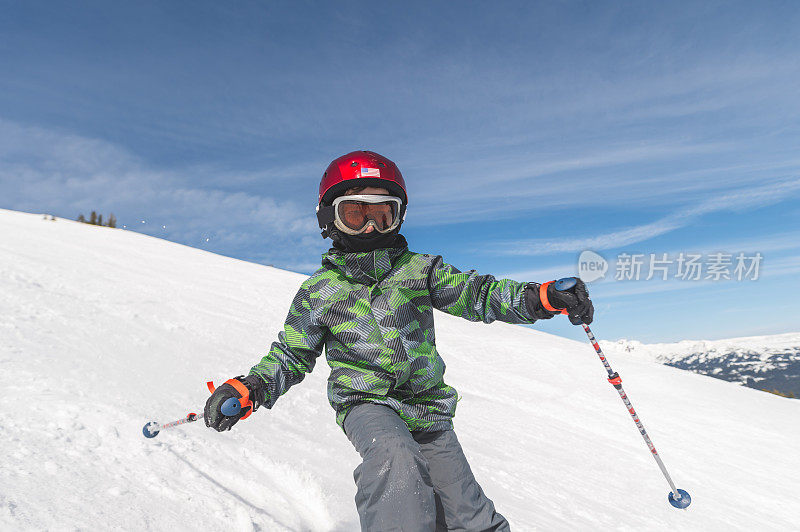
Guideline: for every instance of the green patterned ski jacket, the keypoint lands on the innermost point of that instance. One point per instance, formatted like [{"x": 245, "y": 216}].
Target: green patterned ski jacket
[{"x": 373, "y": 312}]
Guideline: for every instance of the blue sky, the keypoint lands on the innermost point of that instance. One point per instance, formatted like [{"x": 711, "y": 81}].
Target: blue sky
[{"x": 527, "y": 133}]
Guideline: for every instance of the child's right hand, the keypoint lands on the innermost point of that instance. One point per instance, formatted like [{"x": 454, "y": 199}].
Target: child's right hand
[{"x": 250, "y": 385}]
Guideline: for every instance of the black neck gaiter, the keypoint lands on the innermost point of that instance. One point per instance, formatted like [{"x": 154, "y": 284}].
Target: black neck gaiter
[{"x": 368, "y": 242}]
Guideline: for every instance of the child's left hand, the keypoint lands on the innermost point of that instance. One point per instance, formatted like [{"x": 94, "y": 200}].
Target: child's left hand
[{"x": 575, "y": 300}]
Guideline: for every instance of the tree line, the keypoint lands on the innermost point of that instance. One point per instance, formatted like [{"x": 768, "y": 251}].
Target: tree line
[{"x": 95, "y": 219}]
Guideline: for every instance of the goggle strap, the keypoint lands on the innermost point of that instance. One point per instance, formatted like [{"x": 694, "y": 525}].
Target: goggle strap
[{"x": 325, "y": 215}]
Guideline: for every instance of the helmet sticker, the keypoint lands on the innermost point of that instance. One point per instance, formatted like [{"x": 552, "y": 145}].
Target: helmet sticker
[{"x": 370, "y": 172}]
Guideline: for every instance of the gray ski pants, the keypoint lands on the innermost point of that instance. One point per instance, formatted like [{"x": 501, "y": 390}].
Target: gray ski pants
[{"x": 414, "y": 481}]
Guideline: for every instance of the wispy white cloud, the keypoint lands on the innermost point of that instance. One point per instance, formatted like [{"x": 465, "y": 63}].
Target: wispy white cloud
[
  {"x": 781, "y": 266},
  {"x": 589, "y": 139},
  {"x": 538, "y": 185},
  {"x": 541, "y": 274},
  {"x": 610, "y": 290},
  {"x": 49, "y": 171},
  {"x": 767, "y": 246},
  {"x": 499, "y": 176},
  {"x": 741, "y": 199}
]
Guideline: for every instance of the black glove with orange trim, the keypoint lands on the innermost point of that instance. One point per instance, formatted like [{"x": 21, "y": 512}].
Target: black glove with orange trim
[
  {"x": 249, "y": 390},
  {"x": 545, "y": 301}
]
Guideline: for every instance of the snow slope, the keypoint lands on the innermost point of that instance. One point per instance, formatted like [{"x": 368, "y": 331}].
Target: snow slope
[
  {"x": 763, "y": 362},
  {"x": 103, "y": 329}
]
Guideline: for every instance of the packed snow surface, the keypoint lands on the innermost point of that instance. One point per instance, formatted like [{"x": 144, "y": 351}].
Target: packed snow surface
[{"x": 103, "y": 329}]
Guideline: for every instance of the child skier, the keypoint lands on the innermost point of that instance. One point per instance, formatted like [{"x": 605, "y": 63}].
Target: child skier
[{"x": 371, "y": 306}]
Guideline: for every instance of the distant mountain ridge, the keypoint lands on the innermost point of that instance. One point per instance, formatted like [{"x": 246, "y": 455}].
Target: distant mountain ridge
[{"x": 762, "y": 362}]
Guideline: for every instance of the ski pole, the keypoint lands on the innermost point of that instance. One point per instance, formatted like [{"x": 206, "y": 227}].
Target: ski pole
[
  {"x": 152, "y": 428},
  {"x": 677, "y": 497},
  {"x": 230, "y": 407}
]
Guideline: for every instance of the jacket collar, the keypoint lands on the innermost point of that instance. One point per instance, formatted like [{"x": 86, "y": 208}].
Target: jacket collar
[{"x": 365, "y": 267}]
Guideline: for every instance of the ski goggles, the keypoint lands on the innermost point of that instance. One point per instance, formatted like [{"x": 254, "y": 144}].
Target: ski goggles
[{"x": 354, "y": 214}]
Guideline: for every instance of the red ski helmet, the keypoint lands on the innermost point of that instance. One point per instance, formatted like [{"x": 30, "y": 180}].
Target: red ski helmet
[{"x": 361, "y": 169}]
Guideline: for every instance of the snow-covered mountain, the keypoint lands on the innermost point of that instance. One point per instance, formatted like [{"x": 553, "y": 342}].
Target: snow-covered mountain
[
  {"x": 102, "y": 330},
  {"x": 762, "y": 362}
]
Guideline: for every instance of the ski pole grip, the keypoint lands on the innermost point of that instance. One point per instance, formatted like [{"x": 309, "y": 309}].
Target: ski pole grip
[
  {"x": 565, "y": 283},
  {"x": 231, "y": 407}
]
